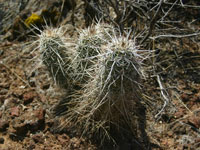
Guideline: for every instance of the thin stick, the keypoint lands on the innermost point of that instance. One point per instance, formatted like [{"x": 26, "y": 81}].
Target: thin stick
[{"x": 164, "y": 96}]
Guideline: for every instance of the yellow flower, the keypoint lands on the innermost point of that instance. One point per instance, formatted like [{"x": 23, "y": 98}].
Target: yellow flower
[{"x": 34, "y": 19}]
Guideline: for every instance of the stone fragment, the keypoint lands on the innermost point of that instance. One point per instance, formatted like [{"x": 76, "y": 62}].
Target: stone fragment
[
  {"x": 28, "y": 97},
  {"x": 14, "y": 112},
  {"x": 3, "y": 125},
  {"x": 195, "y": 121},
  {"x": 1, "y": 140}
]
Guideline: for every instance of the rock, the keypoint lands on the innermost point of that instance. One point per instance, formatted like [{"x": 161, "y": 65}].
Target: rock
[
  {"x": 37, "y": 120},
  {"x": 1, "y": 140},
  {"x": 3, "y": 125},
  {"x": 40, "y": 114},
  {"x": 38, "y": 138},
  {"x": 14, "y": 112},
  {"x": 194, "y": 121},
  {"x": 180, "y": 113},
  {"x": 42, "y": 98},
  {"x": 20, "y": 129},
  {"x": 28, "y": 97}
]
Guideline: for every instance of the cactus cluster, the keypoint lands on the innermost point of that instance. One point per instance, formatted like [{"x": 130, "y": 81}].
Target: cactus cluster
[
  {"x": 108, "y": 68},
  {"x": 112, "y": 92}
]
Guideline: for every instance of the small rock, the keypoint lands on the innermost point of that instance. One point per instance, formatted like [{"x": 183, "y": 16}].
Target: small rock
[
  {"x": 38, "y": 138},
  {"x": 42, "y": 98},
  {"x": 38, "y": 120},
  {"x": 3, "y": 125},
  {"x": 28, "y": 97},
  {"x": 1, "y": 140},
  {"x": 20, "y": 129},
  {"x": 40, "y": 114},
  {"x": 14, "y": 112},
  {"x": 180, "y": 113},
  {"x": 195, "y": 121}
]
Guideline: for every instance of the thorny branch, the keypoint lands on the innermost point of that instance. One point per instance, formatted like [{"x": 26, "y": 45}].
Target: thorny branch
[
  {"x": 140, "y": 17},
  {"x": 152, "y": 23}
]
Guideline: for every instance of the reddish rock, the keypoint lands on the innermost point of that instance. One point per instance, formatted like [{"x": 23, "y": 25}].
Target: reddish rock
[
  {"x": 185, "y": 97},
  {"x": 3, "y": 125},
  {"x": 14, "y": 112},
  {"x": 28, "y": 97},
  {"x": 40, "y": 114},
  {"x": 38, "y": 138},
  {"x": 194, "y": 121},
  {"x": 37, "y": 120},
  {"x": 42, "y": 98},
  {"x": 19, "y": 129},
  {"x": 180, "y": 113}
]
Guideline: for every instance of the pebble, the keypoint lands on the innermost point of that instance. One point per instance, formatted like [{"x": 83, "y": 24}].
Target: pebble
[{"x": 1, "y": 140}]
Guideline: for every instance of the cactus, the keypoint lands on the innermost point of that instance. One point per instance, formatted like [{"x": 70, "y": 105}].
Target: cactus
[
  {"x": 108, "y": 68},
  {"x": 88, "y": 48},
  {"x": 55, "y": 55},
  {"x": 110, "y": 96}
]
